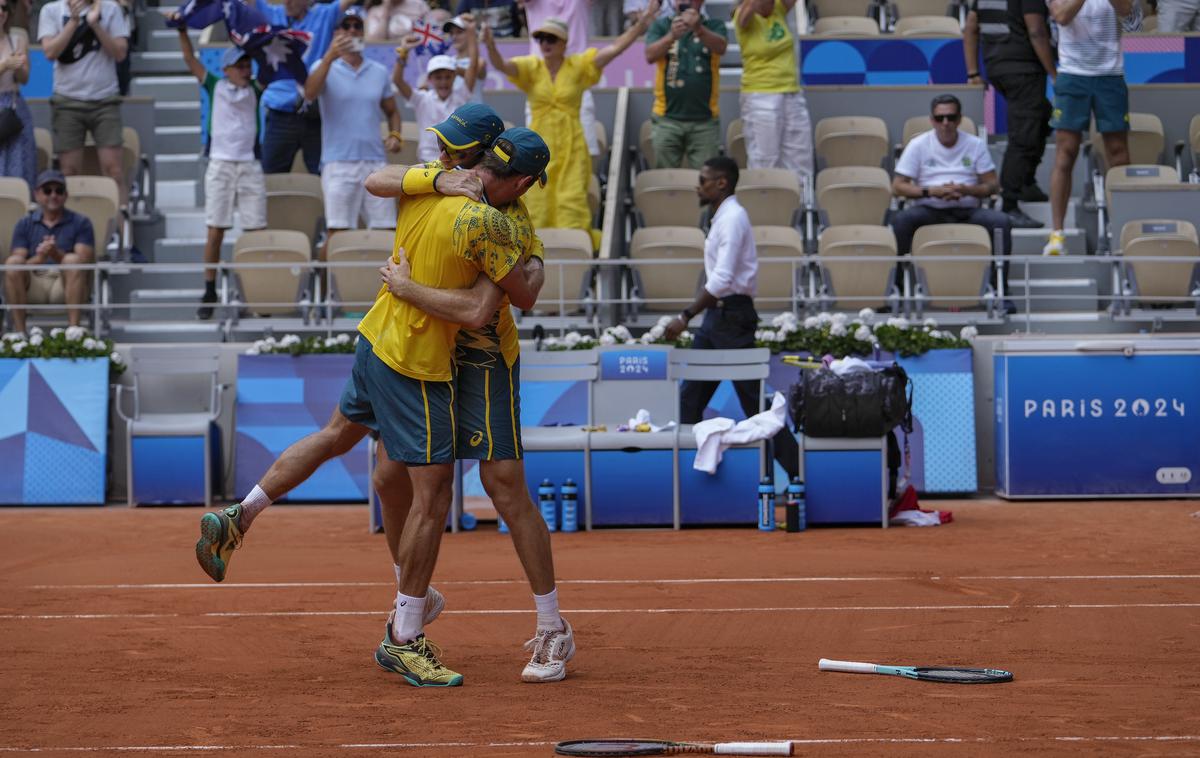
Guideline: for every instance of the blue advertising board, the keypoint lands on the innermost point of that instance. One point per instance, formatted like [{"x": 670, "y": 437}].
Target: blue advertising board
[
  {"x": 1078, "y": 423},
  {"x": 621, "y": 365}
]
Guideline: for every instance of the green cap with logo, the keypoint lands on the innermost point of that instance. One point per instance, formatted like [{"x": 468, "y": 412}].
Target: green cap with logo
[{"x": 524, "y": 151}]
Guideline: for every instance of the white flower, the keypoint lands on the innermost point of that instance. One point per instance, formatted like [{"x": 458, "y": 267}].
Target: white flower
[
  {"x": 621, "y": 333},
  {"x": 57, "y": 331},
  {"x": 684, "y": 336},
  {"x": 116, "y": 358},
  {"x": 930, "y": 323},
  {"x": 252, "y": 350},
  {"x": 260, "y": 346},
  {"x": 898, "y": 321},
  {"x": 837, "y": 330},
  {"x": 657, "y": 332},
  {"x": 631, "y": 341},
  {"x": 937, "y": 335},
  {"x": 329, "y": 342},
  {"x": 90, "y": 344},
  {"x": 968, "y": 333},
  {"x": 12, "y": 337},
  {"x": 607, "y": 339},
  {"x": 35, "y": 338},
  {"x": 812, "y": 322},
  {"x": 665, "y": 321},
  {"x": 75, "y": 333},
  {"x": 647, "y": 339},
  {"x": 840, "y": 318},
  {"x": 289, "y": 340},
  {"x": 867, "y": 315},
  {"x": 550, "y": 342},
  {"x": 586, "y": 339},
  {"x": 35, "y": 331},
  {"x": 863, "y": 333},
  {"x": 786, "y": 321},
  {"x": 343, "y": 339},
  {"x": 824, "y": 318},
  {"x": 571, "y": 339},
  {"x": 18, "y": 346},
  {"x": 765, "y": 335}
]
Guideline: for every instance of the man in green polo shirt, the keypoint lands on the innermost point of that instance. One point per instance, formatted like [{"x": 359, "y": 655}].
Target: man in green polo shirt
[{"x": 687, "y": 49}]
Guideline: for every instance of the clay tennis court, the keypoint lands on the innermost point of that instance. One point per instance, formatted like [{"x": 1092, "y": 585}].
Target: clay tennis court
[{"x": 115, "y": 642}]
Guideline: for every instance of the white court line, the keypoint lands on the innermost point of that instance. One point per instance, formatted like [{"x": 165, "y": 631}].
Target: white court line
[
  {"x": 604, "y": 611},
  {"x": 458, "y": 745},
  {"x": 723, "y": 580}
]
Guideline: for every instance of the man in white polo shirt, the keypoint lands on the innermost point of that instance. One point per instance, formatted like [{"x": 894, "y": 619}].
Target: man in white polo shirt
[{"x": 355, "y": 95}]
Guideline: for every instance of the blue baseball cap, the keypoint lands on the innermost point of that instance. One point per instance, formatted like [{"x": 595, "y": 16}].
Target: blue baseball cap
[
  {"x": 470, "y": 125},
  {"x": 524, "y": 151},
  {"x": 232, "y": 56}
]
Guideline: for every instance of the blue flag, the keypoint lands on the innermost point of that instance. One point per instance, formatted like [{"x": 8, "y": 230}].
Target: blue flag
[
  {"x": 198, "y": 14},
  {"x": 278, "y": 51}
]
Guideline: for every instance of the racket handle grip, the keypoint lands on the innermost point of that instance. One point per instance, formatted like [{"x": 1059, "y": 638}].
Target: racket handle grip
[
  {"x": 753, "y": 748},
  {"x": 849, "y": 667}
]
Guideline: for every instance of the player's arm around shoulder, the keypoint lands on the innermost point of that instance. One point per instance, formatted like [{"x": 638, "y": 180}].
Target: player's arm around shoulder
[
  {"x": 423, "y": 179},
  {"x": 490, "y": 238}
]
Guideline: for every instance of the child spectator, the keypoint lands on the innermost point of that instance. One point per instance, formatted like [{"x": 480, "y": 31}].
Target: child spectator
[
  {"x": 446, "y": 92},
  {"x": 234, "y": 178},
  {"x": 456, "y": 31}
]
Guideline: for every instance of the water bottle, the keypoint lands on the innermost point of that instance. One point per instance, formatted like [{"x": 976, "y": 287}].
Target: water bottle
[
  {"x": 500, "y": 523},
  {"x": 797, "y": 519},
  {"x": 547, "y": 505},
  {"x": 467, "y": 521},
  {"x": 766, "y": 505},
  {"x": 568, "y": 495}
]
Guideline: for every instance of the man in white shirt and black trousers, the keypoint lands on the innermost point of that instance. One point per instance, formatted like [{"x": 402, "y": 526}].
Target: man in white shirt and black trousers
[{"x": 727, "y": 301}]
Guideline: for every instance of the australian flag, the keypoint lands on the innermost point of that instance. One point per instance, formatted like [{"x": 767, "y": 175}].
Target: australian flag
[{"x": 278, "y": 51}]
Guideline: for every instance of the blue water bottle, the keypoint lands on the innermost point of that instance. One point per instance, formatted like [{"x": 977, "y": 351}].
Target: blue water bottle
[
  {"x": 766, "y": 505},
  {"x": 797, "y": 519},
  {"x": 467, "y": 521},
  {"x": 569, "y": 496},
  {"x": 547, "y": 505}
]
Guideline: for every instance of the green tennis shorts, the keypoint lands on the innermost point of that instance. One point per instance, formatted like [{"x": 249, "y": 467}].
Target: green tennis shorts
[
  {"x": 488, "y": 405},
  {"x": 1076, "y": 98}
]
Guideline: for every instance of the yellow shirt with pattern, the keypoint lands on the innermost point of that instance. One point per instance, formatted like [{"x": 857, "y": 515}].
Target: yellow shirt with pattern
[{"x": 768, "y": 53}]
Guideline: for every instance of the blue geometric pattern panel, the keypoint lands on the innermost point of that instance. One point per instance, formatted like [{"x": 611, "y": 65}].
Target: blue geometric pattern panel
[
  {"x": 883, "y": 62},
  {"x": 53, "y": 431},
  {"x": 281, "y": 399},
  {"x": 943, "y": 443}
]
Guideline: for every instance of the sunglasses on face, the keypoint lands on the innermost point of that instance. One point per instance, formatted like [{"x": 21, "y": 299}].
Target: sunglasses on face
[
  {"x": 947, "y": 117},
  {"x": 352, "y": 25},
  {"x": 54, "y": 189},
  {"x": 546, "y": 39}
]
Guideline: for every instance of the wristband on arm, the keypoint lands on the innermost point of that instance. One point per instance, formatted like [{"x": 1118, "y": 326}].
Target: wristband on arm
[{"x": 420, "y": 181}]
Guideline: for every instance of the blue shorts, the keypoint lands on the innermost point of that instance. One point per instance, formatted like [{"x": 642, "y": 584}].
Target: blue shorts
[
  {"x": 488, "y": 404},
  {"x": 1076, "y": 98},
  {"x": 414, "y": 418}
]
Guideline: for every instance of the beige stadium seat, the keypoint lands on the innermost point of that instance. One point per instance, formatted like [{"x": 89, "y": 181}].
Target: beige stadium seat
[
  {"x": 846, "y": 26},
  {"x": 921, "y": 7},
  {"x": 14, "y": 204},
  {"x": 646, "y": 143},
  {"x": 777, "y": 248},
  {"x": 1146, "y": 140},
  {"x": 920, "y": 124},
  {"x": 855, "y": 284},
  {"x": 1157, "y": 281},
  {"x": 131, "y": 152},
  {"x": 408, "y": 150},
  {"x": 854, "y": 194},
  {"x": 564, "y": 282},
  {"x": 263, "y": 290},
  {"x": 357, "y": 286},
  {"x": 667, "y": 197},
  {"x": 771, "y": 196},
  {"x": 295, "y": 201},
  {"x": 825, "y": 8},
  {"x": 1135, "y": 175},
  {"x": 45, "y": 147},
  {"x": 98, "y": 198},
  {"x": 735, "y": 143},
  {"x": 952, "y": 284},
  {"x": 675, "y": 284},
  {"x": 928, "y": 26},
  {"x": 852, "y": 141}
]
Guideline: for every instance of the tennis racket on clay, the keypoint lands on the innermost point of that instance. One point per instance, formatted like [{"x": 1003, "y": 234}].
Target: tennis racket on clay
[
  {"x": 663, "y": 747},
  {"x": 924, "y": 673}
]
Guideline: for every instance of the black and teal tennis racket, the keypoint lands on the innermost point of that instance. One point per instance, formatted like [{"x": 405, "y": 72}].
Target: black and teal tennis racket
[
  {"x": 605, "y": 748},
  {"x": 924, "y": 673}
]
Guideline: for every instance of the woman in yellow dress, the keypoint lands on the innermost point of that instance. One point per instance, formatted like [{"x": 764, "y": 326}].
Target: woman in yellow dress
[{"x": 554, "y": 84}]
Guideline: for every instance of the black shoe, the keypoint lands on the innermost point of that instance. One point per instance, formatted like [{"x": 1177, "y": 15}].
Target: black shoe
[
  {"x": 205, "y": 312},
  {"x": 1010, "y": 307},
  {"x": 1022, "y": 220},
  {"x": 1031, "y": 193}
]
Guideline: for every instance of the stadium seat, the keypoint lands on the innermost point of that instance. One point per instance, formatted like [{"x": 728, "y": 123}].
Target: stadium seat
[
  {"x": 1149, "y": 24},
  {"x": 852, "y": 141},
  {"x": 856, "y": 284},
  {"x": 854, "y": 195},
  {"x": 735, "y": 143},
  {"x": 846, "y": 26},
  {"x": 273, "y": 291},
  {"x": 14, "y": 204},
  {"x": 771, "y": 196},
  {"x": 408, "y": 151},
  {"x": 920, "y": 124},
  {"x": 1146, "y": 140},
  {"x": 667, "y": 197},
  {"x": 927, "y": 26},
  {"x": 778, "y": 279},
  {"x": 131, "y": 154},
  {"x": 1160, "y": 282},
  {"x": 1194, "y": 144},
  {"x": 1135, "y": 175},
  {"x": 45, "y": 147},
  {"x": 826, "y": 8},
  {"x": 98, "y": 198},
  {"x": 567, "y": 283},
  {"x": 674, "y": 286},
  {"x": 954, "y": 284},
  {"x": 295, "y": 201},
  {"x": 356, "y": 286},
  {"x": 905, "y": 8}
]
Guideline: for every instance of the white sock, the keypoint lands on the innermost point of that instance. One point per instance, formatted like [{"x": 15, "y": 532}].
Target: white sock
[
  {"x": 397, "y": 568},
  {"x": 547, "y": 611},
  {"x": 410, "y": 614},
  {"x": 254, "y": 503}
]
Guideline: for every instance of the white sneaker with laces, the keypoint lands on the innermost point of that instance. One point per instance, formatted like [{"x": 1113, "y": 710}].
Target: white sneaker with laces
[
  {"x": 434, "y": 603},
  {"x": 551, "y": 650}
]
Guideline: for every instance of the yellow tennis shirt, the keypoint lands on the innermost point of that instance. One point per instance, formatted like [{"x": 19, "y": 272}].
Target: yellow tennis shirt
[{"x": 448, "y": 241}]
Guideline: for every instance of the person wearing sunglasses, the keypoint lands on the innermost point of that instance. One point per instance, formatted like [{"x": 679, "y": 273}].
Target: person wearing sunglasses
[
  {"x": 18, "y": 154},
  {"x": 49, "y": 235},
  {"x": 944, "y": 175}
]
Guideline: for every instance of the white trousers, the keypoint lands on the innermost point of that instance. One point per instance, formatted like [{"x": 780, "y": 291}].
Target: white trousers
[
  {"x": 778, "y": 132},
  {"x": 1178, "y": 16}
]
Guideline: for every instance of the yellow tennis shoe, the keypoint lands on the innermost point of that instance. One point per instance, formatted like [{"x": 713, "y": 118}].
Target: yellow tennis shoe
[
  {"x": 220, "y": 535},
  {"x": 416, "y": 661}
]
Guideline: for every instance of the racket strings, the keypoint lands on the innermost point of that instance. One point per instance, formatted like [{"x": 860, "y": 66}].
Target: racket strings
[{"x": 963, "y": 675}]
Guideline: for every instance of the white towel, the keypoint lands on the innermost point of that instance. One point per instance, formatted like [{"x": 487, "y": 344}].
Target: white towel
[{"x": 716, "y": 435}]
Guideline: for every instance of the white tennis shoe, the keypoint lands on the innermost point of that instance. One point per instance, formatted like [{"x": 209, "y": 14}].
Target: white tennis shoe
[{"x": 552, "y": 649}]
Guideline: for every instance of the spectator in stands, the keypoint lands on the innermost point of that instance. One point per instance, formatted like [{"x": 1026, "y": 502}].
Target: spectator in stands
[
  {"x": 86, "y": 41},
  {"x": 293, "y": 124},
  {"x": 1018, "y": 56},
  {"x": 445, "y": 93},
  {"x": 393, "y": 19},
  {"x": 687, "y": 50},
  {"x": 574, "y": 14},
  {"x": 1091, "y": 80},
  {"x": 944, "y": 174},
  {"x": 727, "y": 301},
  {"x": 1176, "y": 16},
  {"x": 46, "y": 237},
  {"x": 608, "y": 19},
  {"x": 18, "y": 153},
  {"x": 234, "y": 177},
  {"x": 464, "y": 43},
  {"x": 554, "y": 84},
  {"x": 503, "y": 17},
  {"x": 775, "y": 118},
  {"x": 355, "y": 97}
]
